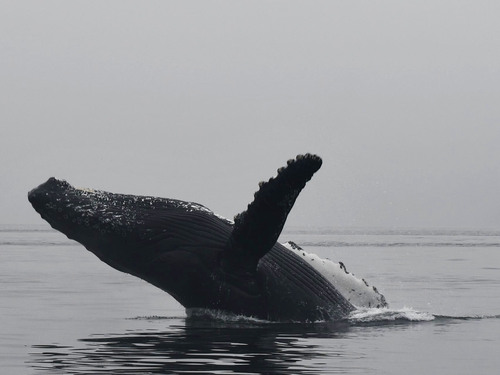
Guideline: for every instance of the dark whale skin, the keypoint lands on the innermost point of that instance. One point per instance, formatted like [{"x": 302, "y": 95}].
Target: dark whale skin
[{"x": 199, "y": 258}]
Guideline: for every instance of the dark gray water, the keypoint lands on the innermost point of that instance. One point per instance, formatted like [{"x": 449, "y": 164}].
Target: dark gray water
[{"x": 65, "y": 312}]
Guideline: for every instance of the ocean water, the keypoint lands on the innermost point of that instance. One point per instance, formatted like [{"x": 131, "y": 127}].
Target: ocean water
[{"x": 62, "y": 311}]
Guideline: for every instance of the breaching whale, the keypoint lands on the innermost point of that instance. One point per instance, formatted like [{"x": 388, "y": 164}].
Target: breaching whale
[{"x": 207, "y": 262}]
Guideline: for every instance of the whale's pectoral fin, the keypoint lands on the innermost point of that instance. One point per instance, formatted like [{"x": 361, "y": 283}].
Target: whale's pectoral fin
[{"x": 257, "y": 229}]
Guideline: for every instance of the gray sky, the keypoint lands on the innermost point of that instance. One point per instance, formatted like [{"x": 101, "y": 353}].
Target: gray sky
[{"x": 200, "y": 100}]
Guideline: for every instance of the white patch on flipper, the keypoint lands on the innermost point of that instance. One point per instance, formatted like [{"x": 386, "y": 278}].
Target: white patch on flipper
[{"x": 355, "y": 290}]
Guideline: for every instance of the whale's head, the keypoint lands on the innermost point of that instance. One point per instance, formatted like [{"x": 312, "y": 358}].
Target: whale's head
[
  {"x": 81, "y": 214},
  {"x": 93, "y": 217},
  {"x": 164, "y": 241}
]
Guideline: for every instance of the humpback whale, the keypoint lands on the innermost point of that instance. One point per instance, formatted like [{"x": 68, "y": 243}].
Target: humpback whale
[{"x": 207, "y": 262}]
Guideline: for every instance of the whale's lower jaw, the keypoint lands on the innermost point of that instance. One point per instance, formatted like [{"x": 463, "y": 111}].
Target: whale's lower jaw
[
  {"x": 296, "y": 291},
  {"x": 356, "y": 291},
  {"x": 300, "y": 287}
]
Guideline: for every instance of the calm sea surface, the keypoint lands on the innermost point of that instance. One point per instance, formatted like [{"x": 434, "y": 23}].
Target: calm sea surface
[{"x": 62, "y": 311}]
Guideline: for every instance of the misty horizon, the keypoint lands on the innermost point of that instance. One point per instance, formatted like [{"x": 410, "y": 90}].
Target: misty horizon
[{"x": 200, "y": 101}]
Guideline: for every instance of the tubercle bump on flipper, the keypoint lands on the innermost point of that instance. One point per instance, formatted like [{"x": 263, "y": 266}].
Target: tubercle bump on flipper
[{"x": 296, "y": 174}]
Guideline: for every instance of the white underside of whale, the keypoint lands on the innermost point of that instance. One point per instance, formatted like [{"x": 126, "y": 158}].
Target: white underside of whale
[{"x": 355, "y": 290}]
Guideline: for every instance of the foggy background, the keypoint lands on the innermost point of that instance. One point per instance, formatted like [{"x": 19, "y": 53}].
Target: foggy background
[{"x": 201, "y": 100}]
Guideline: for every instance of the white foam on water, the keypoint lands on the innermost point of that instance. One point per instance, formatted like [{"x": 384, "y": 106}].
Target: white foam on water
[
  {"x": 223, "y": 316},
  {"x": 387, "y": 315}
]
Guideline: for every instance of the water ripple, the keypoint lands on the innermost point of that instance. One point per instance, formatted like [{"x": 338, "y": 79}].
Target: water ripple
[{"x": 196, "y": 347}]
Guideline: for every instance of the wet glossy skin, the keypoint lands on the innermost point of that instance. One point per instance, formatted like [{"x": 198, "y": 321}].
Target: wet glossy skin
[{"x": 177, "y": 247}]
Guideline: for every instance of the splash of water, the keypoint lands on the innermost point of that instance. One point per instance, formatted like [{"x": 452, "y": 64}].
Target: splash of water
[
  {"x": 223, "y": 316},
  {"x": 374, "y": 315}
]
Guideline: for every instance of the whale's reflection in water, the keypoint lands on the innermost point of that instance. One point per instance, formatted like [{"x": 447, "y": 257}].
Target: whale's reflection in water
[{"x": 189, "y": 346}]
